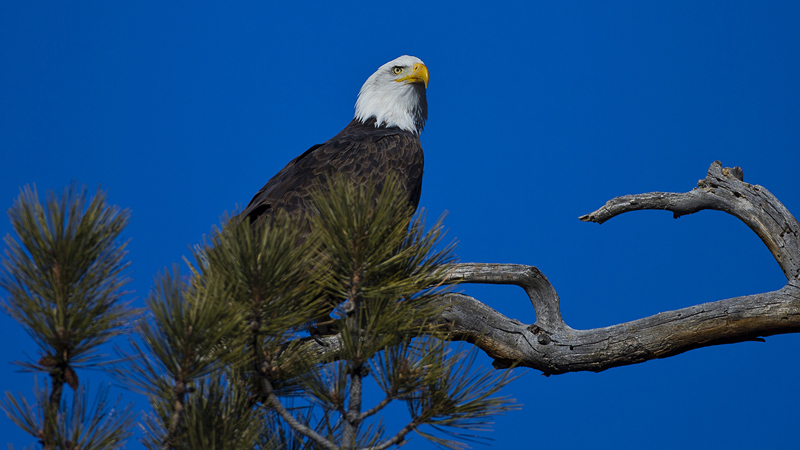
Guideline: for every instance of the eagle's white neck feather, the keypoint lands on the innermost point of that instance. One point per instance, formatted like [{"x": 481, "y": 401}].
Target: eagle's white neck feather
[{"x": 393, "y": 104}]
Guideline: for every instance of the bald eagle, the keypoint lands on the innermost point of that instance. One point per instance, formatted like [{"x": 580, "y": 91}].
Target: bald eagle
[{"x": 382, "y": 139}]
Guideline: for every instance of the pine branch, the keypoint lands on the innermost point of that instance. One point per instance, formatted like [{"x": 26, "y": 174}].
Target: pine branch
[
  {"x": 174, "y": 421},
  {"x": 189, "y": 336},
  {"x": 398, "y": 438},
  {"x": 353, "y": 417},
  {"x": 305, "y": 430},
  {"x": 64, "y": 276},
  {"x": 79, "y": 426},
  {"x": 375, "y": 409}
]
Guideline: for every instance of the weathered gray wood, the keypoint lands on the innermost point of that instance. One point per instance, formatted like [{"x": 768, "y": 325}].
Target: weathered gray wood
[
  {"x": 724, "y": 190},
  {"x": 561, "y": 350},
  {"x": 551, "y": 346},
  {"x": 541, "y": 293}
]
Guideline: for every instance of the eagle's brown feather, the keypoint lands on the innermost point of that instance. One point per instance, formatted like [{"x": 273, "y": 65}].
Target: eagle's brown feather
[{"x": 361, "y": 151}]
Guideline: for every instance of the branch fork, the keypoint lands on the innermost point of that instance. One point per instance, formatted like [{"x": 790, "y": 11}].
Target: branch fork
[{"x": 551, "y": 346}]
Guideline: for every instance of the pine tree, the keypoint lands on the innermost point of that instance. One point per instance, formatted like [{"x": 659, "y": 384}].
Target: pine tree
[
  {"x": 64, "y": 275},
  {"x": 223, "y": 352},
  {"x": 223, "y": 358}
]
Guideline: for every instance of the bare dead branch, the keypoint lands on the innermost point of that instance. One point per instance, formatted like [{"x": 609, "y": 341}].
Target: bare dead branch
[
  {"x": 665, "y": 334},
  {"x": 542, "y": 294},
  {"x": 553, "y": 347},
  {"x": 724, "y": 190}
]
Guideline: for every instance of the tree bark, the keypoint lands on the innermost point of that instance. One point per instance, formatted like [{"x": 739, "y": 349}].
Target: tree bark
[{"x": 552, "y": 347}]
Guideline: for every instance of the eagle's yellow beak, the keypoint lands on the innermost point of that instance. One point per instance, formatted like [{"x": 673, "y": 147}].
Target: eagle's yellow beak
[{"x": 418, "y": 75}]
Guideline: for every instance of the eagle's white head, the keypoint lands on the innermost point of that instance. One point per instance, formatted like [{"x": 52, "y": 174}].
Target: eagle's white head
[{"x": 395, "y": 95}]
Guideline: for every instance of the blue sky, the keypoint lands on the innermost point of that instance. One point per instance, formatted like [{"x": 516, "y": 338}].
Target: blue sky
[{"x": 539, "y": 113}]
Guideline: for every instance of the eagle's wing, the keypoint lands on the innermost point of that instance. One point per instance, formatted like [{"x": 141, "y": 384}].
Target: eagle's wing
[{"x": 363, "y": 153}]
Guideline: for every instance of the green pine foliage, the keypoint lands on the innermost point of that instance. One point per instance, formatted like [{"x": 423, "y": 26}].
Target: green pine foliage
[
  {"x": 385, "y": 272},
  {"x": 211, "y": 337},
  {"x": 379, "y": 270},
  {"x": 220, "y": 417},
  {"x": 73, "y": 425},
  {"x": 184, "y": 339},
  {"x": 271, "y": 338},
  {"x": 270, "y": 273},
  {"x": 64, "y": 275}
]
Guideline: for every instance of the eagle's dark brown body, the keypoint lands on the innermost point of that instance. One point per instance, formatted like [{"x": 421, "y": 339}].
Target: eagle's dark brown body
[{"x": 361, "y": 151}]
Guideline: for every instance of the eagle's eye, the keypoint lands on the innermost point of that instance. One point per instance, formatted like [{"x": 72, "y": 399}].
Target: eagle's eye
[{"x": 397, "y": 70}]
